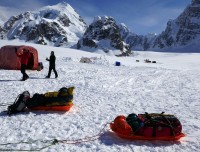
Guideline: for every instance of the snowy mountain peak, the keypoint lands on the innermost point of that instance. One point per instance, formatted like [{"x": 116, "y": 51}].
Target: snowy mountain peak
[
  {"x": 102, "y": 18},
  {"x": 104, "y": 34},
  {"x": 180, "y": 33},
  {"x": 124, "y": 31},
  {"x": 63, "y": 3},
  {"x": 123, "y": 27},
  {"x": 60, "y": 8},
  {"x": 96, "y": 18},
  {"x": 57, "y": 25}
]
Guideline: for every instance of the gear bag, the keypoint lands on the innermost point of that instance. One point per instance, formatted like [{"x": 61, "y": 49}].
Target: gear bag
[
  {"x": 19, "y": 104},
  {"x": 59, "y": 98},
  {"x": 154, "y": 124}
]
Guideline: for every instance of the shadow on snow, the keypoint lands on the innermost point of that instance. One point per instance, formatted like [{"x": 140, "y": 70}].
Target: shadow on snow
[
  {"x": 25, "y": 80},
  {"x": 110, "y": 138}
]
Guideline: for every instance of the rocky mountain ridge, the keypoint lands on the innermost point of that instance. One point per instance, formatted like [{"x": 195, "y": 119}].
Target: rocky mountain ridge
[
  {"x": 182, "y": 32},
  {"x": 104, "y": 34}
]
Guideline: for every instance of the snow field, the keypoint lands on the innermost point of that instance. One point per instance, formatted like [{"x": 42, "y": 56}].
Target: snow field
[{"x": 102, "y": 92}]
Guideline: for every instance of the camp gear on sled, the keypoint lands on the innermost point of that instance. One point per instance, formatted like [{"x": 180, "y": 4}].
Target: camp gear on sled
[
  {"x": 19, "y": 104},
  {"x": 56, "y": 101},
  {"x": 61, "y": 100},
  {"x": 148, "y": 127},
  {"x": 133, "y": 121}
]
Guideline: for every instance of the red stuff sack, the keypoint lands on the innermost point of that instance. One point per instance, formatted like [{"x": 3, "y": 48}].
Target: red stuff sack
[{"x": 158, "y": 125}]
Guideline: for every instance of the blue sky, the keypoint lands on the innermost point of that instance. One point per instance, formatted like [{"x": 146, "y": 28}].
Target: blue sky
[{"x": 140, "y": 16}]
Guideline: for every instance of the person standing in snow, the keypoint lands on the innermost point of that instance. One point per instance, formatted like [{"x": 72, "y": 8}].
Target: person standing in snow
[
  {"x": 24, "y": 61},
  {"x": 52, "y": 61}
]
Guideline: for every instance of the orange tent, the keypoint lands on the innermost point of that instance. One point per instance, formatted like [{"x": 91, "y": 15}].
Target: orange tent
[{"x": 10, "y": 61}]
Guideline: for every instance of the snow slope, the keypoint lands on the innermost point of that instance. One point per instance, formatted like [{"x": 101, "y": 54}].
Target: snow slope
[{"x": 104, "y": 91}]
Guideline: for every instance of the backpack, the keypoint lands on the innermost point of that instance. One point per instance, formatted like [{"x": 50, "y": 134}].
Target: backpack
[
  {"x": 35, "y": 101},
  {"x": 60, "y": 98},
  {"x": 19, "y": 104},
  {"x": 40, "y": 66}
]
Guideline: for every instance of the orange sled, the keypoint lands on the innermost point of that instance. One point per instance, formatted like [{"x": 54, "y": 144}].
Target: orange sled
[{"x": 53, "y": 108}]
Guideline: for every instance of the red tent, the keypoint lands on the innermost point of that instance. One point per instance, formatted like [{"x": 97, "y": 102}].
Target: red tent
[{"x": 10, "y": 61}]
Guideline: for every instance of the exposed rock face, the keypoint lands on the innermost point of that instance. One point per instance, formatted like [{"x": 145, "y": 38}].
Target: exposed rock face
[
  {"x": 57, "y": 25},
  {"x": 183, "y": 30},
  {"x": 104, "y": 33},
  {"x": 2, "y": 33}
]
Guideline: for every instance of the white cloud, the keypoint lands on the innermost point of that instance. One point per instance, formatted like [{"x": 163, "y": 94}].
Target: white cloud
[
  {"x": 3, "y": 14},
  {"x": 88, "y": 19},
  {"x": 20, "y": 6},
  {"x": 17, "y": 8},
  {"x": 6, "y": 13}
]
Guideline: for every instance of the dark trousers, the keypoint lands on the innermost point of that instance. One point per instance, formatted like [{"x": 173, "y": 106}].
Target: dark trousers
[
  {"x": 54, "y": 70},
  {"x": 23, "y": 71}
]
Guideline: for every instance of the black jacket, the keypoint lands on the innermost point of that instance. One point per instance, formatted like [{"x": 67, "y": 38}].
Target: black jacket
[{"x": 52, "y": 61}]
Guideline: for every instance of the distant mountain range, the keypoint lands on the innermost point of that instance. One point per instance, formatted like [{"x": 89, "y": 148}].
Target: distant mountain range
[
  {"x": 181, "y": 34},
  {"x": 61, "y": 25}
]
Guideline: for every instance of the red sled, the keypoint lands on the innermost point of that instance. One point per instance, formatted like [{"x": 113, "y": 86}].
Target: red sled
[{"x": 148, "y": 127}]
